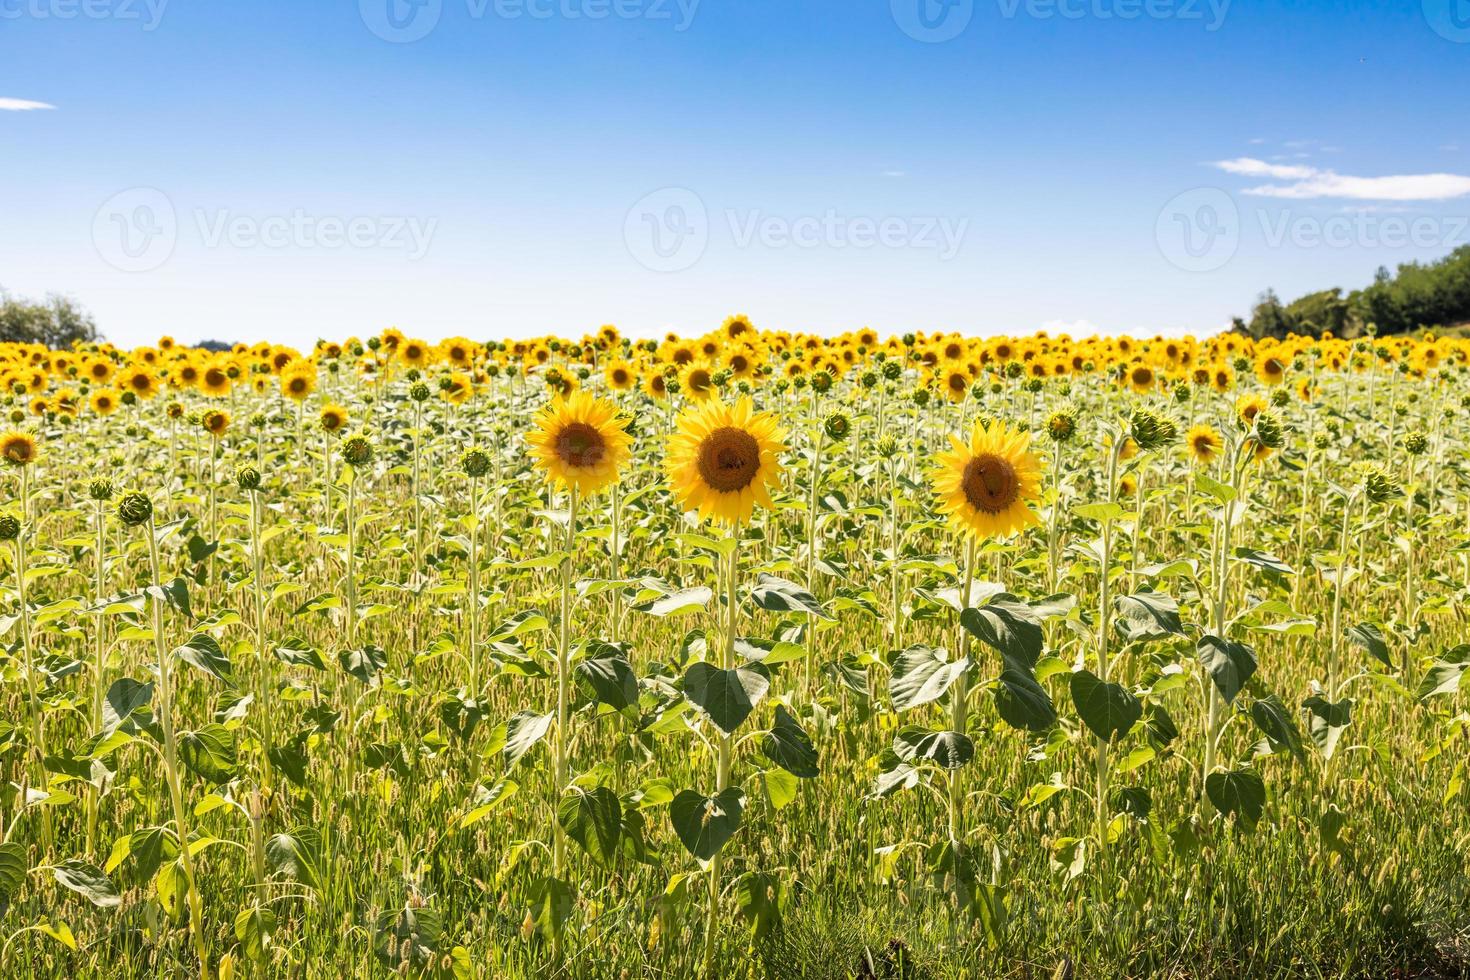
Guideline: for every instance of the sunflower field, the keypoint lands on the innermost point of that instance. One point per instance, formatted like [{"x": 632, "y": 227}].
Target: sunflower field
[{"x": 748, "y": 655}]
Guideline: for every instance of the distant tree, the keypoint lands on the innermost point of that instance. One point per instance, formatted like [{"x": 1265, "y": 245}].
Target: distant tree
[
  {"x": 217, "y": 346},
  {"x": 57, "y": 322}
]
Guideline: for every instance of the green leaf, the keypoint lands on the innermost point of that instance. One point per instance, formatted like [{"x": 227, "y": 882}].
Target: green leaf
[
  {"x": 951, "y": 750},
  {"x": 13, "y": 870},
  {"x": 487, "y": 800},
  {"x": 1327, "y": 721},
  {"x": 593, "y": 818},
  {"x": 522, "y": 732},
  {"x": 254, "y": 928},
  {"x": 149, "y": 848},
  {"x": 1148, "y": 616},
  {"x": 297, "y": 855},
  {"x": 1275, "y": 722},
  {"x": 204, "y": 653},
  {"x": 408, "y": 938},
  {"x": 88, "y": 881},
  {"x": 1263, "y": 560},
  {"x": 1238, "y": 792},
  {"x": 677, "y": 603},
  {"x": 363, "y": 664},
  {"x": 1109, "y": 710},
  {"x": 704, "y": 823},
  {"x": 1370, "y": 638},
  {"x": 1007, "y": 625},
  {"x": 1228, "y": 663},
  {"x": 727, "y": 697},
  {"x": 551, "y": 905},
  {"x": 525, "y": 621},
  {"x": 1022, "y": 702},
  {"x": 609, "y": 680},
  {"x": 209, "y": 752},
  {"x": 298, "y": 653},
  {"x": 789, "y": 747},
  {"x": 920, "y": 675},
  {"x": 1442, "y": 678},
  {"x": 778, "y": 595},
  {"x": 125, "y": 704}
]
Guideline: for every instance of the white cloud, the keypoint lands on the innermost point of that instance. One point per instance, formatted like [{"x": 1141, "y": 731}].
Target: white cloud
[
  {"x": 893, "y": 173},
  {"x": 22, "y": 105},
  {"x": 1310, "y": 182}
]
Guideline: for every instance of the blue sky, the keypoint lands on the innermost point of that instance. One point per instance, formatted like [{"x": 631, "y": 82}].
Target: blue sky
[{"x": 295, "y": 170}]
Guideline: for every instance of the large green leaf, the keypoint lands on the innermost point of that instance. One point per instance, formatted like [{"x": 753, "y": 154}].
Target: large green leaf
[
  {"x": 521, "y": 733},
  {"x": 1370, "y": 638},
  {"x": 203, "y": 652},
  {"x": 408, "y": 938},
  {"x": 609, "y": 680},
  {"x": 727, "y": 697},
  {"x": 1008, "y": 626},
  {"x": 1148, "y": 616},
  {"x": 593, "y": 818},
  {"x": 704, "y": 823},
  {"x": 789, "y": 747},
  {"x": 1228, "y": 663},
  {"x": 552, "y": 901},
  {"x": 1022, "y": 702},
  {"x": 1238, "y": 792},
  {"x": 1275, "y": 722},
  {"x": 1109, "y": 710},
  {"x": 778, "y": 595},
  {"x": 297, "y": 855},
  {"x": 951, "y": 750},
  {"x": 88, "y": 881},
  {"x": 209, "y": 752},
  {"x": 125, "y": 705},
  {"x": 13, "y": 869},
  {"x": 920, "y": 675}
]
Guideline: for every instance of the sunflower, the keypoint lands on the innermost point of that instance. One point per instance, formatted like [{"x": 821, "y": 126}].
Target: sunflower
[
  {"x": 215, "y": 422},
  {"x": 1247, "y": 407},
  {"x": 1270, "y": 368},
  {"x": 1203, "y": 443},
  {"x": 580, "y": 441},
  {"x": 298, "y": 381},
  {"x": 698, "y": 381},
  {"x": 985, "y": 486},
  {"x": 656, "y": 384},
  {"x": 18, "y": 448},
  {"x": 104, "y": 401},
  {"x": 620, "y": 377},
  {"x": 140, "y": 381},
  {"x": 456, "y": 388},
  {"x": 1141, "y": 378},
  {"x": 333, "y": 418},
  {"x": 722, "y": 459},
  {"x": 955, "y": 383},
  {"x": 215, "y": 380}
]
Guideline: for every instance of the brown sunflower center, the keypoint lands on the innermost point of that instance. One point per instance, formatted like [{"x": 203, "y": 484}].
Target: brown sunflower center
[
  {"x": 579, "y": 444},
  {"x": 729, "y": 459},
  {"x": 990, "y": 483}
]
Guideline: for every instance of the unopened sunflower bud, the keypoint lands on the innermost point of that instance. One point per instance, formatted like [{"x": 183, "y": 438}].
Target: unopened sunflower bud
[
  {"x": 821, "y": 382},
  {"x": 892, "y": 370},
  {"x": 135, "y": 509},
  {"x": 476, "y": 463},
  {"x": 887, "y": 447},
  {"x": 357, "y": 452},
  {"x": 1062, "y": 425},
  {"x": 837, "y": 427},
  {"x": 100, "y": 489},
  {"x": 1269, "y": 431},
  {"x": 9, "y": 527},
  {"x": 921, "y": 397},
  {"x": 419, "y": 391},
  {"x": 1152, "y": 431},
  {"x": 1181, "y": 391},
  {"x": 1380, "y": 487},
  {"x": 1415, "y": 444},
  {"x": 248, "y": 478}
]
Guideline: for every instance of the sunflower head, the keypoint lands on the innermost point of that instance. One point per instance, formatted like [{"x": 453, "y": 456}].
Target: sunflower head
[
  {"x": 1203, "y": 443},
  {"x": 135, "y": 509},
  {"x": 18, "y": 448},
  {"x": 476, "y": 463},
  {"x": 9, "y": 527},
  {"x": 215, "y": 422},
  {"x": 985, "y": 486},
  {"x": 580, "y": 441},
  {"x": 722, "y": 460}
]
